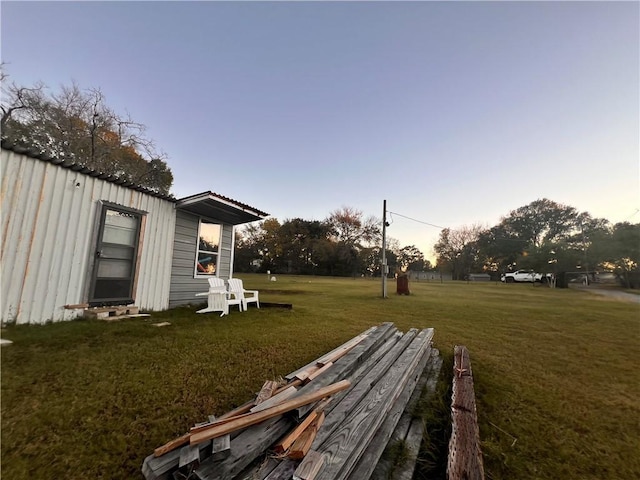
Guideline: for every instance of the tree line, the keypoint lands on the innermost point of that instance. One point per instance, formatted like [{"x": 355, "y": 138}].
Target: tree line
[
  {"x": 346, "y": 243},
  {"x": 77, "y": 125},
  {"x": 547, "y": 237},
  {"x": 544, "y": 236}
]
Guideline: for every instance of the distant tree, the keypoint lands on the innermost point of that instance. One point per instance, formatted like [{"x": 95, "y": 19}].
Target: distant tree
[
  {"x": 541, "y": 221},
  {"x": 499, "y": 249},
  {"x": 351, "y": 233},
  {"x": 457, "y": 250},
  {"x": 348, "y": 225},
  {"x": 77, "y": 125},
  {"x": 302, "y": 245},
  {"x": 410, "y": 258},
  {"x": 618, "y": 250}
]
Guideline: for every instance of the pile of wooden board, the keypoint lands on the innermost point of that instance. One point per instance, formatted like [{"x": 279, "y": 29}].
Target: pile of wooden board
[{"x": 331, "y": 419}]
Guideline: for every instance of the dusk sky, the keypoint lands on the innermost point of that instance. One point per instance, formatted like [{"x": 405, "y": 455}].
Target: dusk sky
[{"x": 454, "y": 112}]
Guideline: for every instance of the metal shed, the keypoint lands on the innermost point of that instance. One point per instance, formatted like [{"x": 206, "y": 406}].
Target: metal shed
[{"x": 72, "y": 235}]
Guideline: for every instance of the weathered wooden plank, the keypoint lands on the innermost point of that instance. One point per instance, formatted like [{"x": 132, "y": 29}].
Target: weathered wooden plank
[
  {"x": 416, "y": 432},
  {"x": 372, "y": 453},
  {"x": 344, "y": 447},
  {"x": 188, "y": 454},
  {"x": 284, "y": 471},
  {"x": 275, "y": 400},
  {"x": 249, "y": 445},
  {"x": 77, "y": 306},
  {"x": 340, "y": 352},
  {"x": 465, "y": 456},
  {"x": 154, "y": 468},
  {"x": 363, "y": 369},
  {"x": 382, "y": 470},
  {"x": 349, "y": 363},
  {"x": 254, "y": 418},
  {"x": 359, "y": 390},
  {"x": 287, "y": 306},
  {"x": 292, "y": 375},
  {"x": 259, "y": 471},
  {"x": 309, "y": 467},
  {"x": 220, "y": 446}
]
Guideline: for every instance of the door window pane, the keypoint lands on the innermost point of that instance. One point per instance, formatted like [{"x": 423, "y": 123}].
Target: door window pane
[
  {"x": 120, "y": 228},
  {"x": 114, "y": 268}
]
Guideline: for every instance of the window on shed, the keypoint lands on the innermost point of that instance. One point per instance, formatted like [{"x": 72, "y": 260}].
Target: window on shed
[{"x": 208, "y": 248}]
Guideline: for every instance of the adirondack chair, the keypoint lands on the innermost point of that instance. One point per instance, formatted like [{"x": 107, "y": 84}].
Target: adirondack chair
[
  {"x": 236, "y": 288},
  {"x": 234, "y": 298},
  {"x": 216, "y": 297}
]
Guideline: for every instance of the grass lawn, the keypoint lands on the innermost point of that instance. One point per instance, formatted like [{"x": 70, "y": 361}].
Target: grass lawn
[{"x": 556, "y": 374}]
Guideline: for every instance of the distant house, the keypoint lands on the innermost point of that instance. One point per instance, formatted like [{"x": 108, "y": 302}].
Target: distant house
[{"x": 71, "y": 235}]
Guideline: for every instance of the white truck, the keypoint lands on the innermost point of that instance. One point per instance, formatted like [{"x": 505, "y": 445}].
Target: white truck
[{"x": 524, "y": 276}]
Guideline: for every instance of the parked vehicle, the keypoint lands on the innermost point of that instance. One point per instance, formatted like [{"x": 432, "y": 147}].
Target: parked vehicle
[{"x": 525, "y": 276}]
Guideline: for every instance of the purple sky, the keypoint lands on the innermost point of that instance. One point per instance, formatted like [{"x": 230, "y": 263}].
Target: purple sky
[{"x": 454, "y": 112}]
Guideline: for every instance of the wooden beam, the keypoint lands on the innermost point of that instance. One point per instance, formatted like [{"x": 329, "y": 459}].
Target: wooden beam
[
  {"x": 347, "y": 443},
  {"x": 465, "y": 456},
  {"x": 304, "y": 374},
  {"x": 292, "y": 375},
  {"x": 172, "y": 445},
  {"x": 283, "y": 445},
  {"x": 348, "y": 364},
  {"x": 341, "y": 351},
  {"x": 250, "y": 444},
  {"x": 76, "y": 306},
  {"x": 320, "y": 371},
  {"x": 254, "y": 418},
  {"x": 309, "y": 467},
  {"x": 402, "y": 409},
  {"x": 302, "y": 444},
  {"x": 362, "y": 388}
]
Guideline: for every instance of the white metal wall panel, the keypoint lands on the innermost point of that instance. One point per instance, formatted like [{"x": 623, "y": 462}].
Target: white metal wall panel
[{"x": 48, "y": 222}]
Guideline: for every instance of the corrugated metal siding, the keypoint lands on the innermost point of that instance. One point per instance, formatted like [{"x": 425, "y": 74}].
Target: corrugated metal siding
[
  {"x": 183, "y": 284},
  {"x": 48, "y": 234}
]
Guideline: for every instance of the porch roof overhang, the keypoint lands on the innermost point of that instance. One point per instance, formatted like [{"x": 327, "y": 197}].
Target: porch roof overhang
[{"x": 220, "y": 208}]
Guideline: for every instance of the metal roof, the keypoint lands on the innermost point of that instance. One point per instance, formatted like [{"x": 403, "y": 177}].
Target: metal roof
[
  {"x": 77, "y": 167},
  {"x": 227, "y": 210},
  {"x": 206, "y": 204}
]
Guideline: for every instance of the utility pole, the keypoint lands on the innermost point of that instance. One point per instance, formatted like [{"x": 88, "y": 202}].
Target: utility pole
[{"x": 383, "y": 267}]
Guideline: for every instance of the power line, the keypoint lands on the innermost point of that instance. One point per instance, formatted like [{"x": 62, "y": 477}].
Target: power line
[
  {"x": 633, "y": 214},
  {"x": 418, "y": 221}
]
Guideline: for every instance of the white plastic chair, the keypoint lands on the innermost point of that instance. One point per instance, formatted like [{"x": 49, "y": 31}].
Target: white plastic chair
[
  {"x": 236, "y": 288},
  {"x": 216, "y": 297},
  {"x": 234, "y": 298}
]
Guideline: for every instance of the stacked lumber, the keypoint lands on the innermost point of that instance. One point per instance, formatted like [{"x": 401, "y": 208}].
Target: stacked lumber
[
  {"x": 465, "y": 457},
  {"x": 331, "y": 419}
]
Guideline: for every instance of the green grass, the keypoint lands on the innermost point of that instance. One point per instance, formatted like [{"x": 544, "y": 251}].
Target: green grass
[{"x": 555, "y": 369}]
